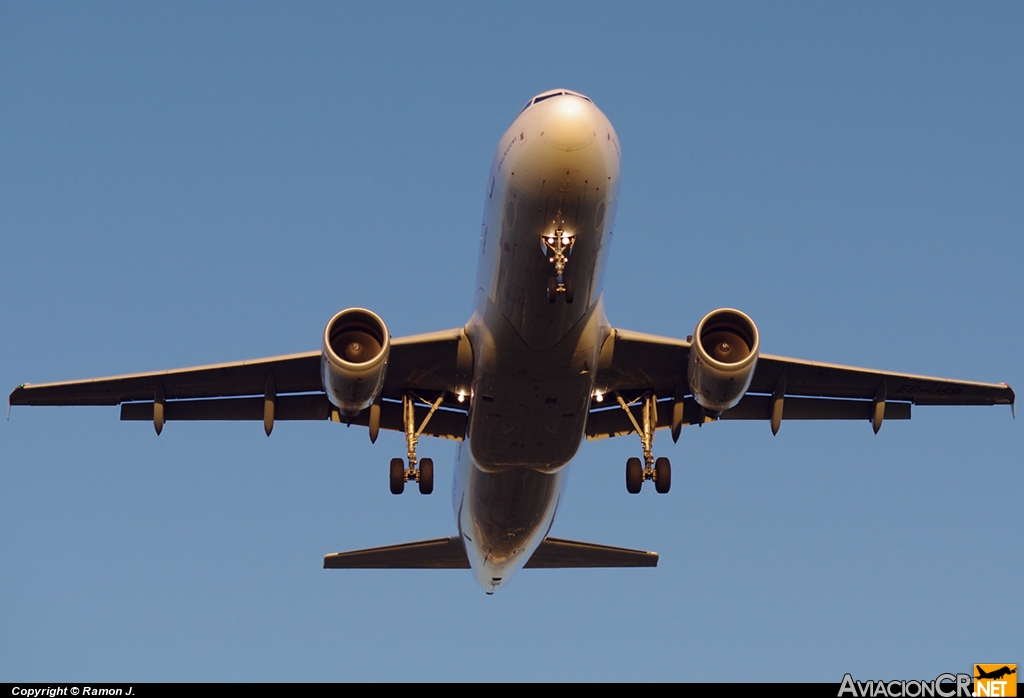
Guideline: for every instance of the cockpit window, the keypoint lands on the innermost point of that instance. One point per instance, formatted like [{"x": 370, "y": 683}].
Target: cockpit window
[
  {"x": 541, "y": 99},
  {"x": 577, "y": 94},
  {"x": 538, "y": 100}
]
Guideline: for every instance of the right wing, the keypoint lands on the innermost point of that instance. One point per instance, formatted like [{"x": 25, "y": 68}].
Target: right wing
[
  {"x": 633, "y": 364},
  {"x": 426, "y": 363}
]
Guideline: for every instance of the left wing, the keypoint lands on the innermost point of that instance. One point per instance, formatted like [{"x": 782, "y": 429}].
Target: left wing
[
  {"x": 637, "y": 363},
  {"x": 426, "y": 363}
]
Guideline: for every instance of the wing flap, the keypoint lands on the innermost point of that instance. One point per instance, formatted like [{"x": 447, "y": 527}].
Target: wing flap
[
  {"x": 760, "y": 407},
  {"x": 611, "y": 422},
  {"x": 310, "y": 407},
  {"x": 444, "y": 423}
]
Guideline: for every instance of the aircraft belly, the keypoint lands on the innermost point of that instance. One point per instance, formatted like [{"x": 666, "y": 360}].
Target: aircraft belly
[
  {"x": 533, "y": 424},
  {"x": 503, "y": 515},
  {"x": 529, "y": 406}
]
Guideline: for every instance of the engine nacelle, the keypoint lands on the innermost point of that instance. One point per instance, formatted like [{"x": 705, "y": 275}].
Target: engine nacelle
[
  {"x": 722, "y": 359},
  {"x": 354, "y": 359}
]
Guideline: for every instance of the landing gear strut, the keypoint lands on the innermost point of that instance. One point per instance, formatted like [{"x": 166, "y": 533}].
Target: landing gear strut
[
  {"x": 660, "y": 470},
  {"x": 424, "y": 474},
  {"x": 559, "y": 245}
]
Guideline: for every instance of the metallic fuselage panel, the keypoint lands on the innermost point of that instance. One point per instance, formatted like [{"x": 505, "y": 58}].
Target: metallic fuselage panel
[
  {"x": 557, "y": 166},
  {"x": 503, "y": 515}
]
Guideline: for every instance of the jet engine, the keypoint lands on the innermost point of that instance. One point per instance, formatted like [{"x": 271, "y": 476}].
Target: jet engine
[
  {"x": 722, "y": 359},
  {"x": 354, "y": 359}
]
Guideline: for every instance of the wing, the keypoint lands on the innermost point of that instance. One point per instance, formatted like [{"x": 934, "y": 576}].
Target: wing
[
  {"x": 635, "y": 364},
  {"x": 424, "y": 364}
]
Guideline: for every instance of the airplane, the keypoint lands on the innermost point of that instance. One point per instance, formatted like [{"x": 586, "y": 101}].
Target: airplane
[
  {"x": 535, "y": 370},
  {"x": 995, "y": 674}
]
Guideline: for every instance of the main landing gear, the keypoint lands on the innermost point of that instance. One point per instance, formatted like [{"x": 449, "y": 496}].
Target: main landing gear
[
  {"x": 659, "y": 470},
  {"x": 424, "y": 474},
  {"x": 559, "y": 244}
]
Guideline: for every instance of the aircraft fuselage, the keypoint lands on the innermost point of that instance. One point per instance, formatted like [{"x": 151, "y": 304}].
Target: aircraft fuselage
[{"x": 554, "y": 177}]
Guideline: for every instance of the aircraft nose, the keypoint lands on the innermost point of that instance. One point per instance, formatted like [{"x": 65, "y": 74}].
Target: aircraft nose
[{"x": 570, "y": 125}]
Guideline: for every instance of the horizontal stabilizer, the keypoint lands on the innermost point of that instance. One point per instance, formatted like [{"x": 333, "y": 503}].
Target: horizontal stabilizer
[
  {"x": 438, "y": 554},
  {"x": 450, "y": 553},
  {"x": 557, "y": 552}
]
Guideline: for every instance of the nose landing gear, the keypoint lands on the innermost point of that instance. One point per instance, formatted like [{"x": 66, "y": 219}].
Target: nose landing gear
[
  {"x": 559, "y": 284},
  {"x": 559, "y": 244},
  {"x": 424, "y": 474},
  {"x": 659, "y": 470}
]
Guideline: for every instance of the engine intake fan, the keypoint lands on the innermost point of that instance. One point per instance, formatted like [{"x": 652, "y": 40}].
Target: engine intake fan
[
  {"x": 722, "y": 359},
  {"x": 354, "y": 360}
]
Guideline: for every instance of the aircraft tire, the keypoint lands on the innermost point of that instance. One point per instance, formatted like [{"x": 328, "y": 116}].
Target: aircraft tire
[
  {"x": 662, "y": 476},
  {"x": 634, "y": 476},
  {"x": 426, "y": 475},
  {"x": 397, "y": 476},
  {"x": 568, "y": 290},
  {"x": 552, "y": 289}
]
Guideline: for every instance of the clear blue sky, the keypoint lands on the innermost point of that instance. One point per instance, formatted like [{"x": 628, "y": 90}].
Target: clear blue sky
[{"x": 186, "y": 183}]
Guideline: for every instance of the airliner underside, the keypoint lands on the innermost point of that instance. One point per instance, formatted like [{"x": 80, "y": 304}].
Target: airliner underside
[{"x": 536, "y": 369}]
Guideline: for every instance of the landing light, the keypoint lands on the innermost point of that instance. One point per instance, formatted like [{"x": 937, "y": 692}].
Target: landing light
[
  {"x": 462, "y": 397},
  {"x": 599, "y": 397}
]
